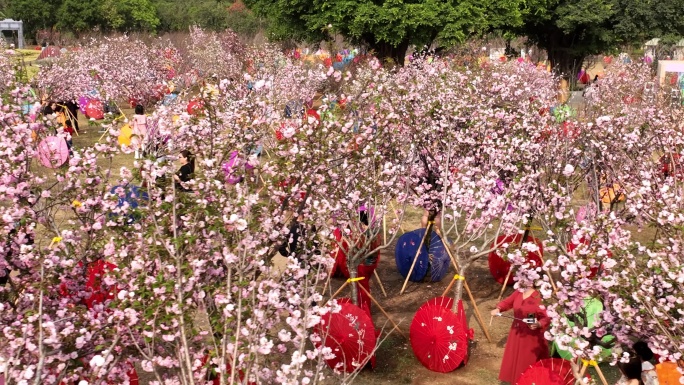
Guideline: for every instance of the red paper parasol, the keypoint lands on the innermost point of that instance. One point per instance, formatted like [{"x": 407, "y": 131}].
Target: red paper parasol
[
  {"x": 95, "y": 272},
  {"x": 499, "y": 267},
  {"x": 95, "y": 109},
  {"x": 549, "y": 371},
  {"x": 351, "y": 336},
  {"x": 195, "y": 107},
  {"x": 52, "y": 152},
  {"x": 438, "y": 337}
]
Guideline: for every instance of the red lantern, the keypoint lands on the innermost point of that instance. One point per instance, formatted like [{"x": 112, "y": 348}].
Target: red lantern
[
  {"x": 95, "y": 110},
  {"x": 195, "y": 107}
]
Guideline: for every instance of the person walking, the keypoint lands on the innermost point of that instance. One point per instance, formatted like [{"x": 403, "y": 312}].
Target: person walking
[{"x": 139, "y": 131}]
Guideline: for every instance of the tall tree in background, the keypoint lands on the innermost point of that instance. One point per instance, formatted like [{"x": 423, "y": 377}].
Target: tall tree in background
[
  {"x": 388, "y": 27},
  {"x": 36, "y": 14},
  {"x": 571, "y": 30}
]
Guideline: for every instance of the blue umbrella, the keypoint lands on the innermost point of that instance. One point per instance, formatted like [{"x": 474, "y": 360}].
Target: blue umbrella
[
  {"x": 169, "y": 98},
  {"x": 433, "y": 260},
  {"x": 338, "y": 65},
  {"x": 134, "y": 195}
]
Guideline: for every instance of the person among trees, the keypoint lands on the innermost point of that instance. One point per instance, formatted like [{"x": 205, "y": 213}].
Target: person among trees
[
  {"x": 186, "y": 171},
  {"x": 645, "y": 354},
  {"x": 72, "y": 114},
  {"x": 631, "y": 372},
  {"x": 139, "y": 130},
  {"x": 526, "y": 343},
  {"x": 69, "y": 129}
]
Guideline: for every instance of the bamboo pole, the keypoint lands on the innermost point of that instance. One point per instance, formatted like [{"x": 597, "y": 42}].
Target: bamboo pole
[
  {"x": 478, "y": 316},
  {"x": 451, "y": 284},
  {"x": 383, "y": 311},
  {"x": 505, "y": 283},
  {"x": 600, "y": 374},
  {"x": 382, "y": 287},
  {"x": 413, "y": 264},
  {"x": 384, "y": 229},
  {"x": 339, "y": 290},
  {"x": 476, "y": 310}
]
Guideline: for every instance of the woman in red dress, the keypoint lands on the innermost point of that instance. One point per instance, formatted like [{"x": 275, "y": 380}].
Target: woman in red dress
[{"x": 526, "y": 343}]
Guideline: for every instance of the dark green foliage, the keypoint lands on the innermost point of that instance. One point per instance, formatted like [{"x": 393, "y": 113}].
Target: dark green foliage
[
  {"x": 570, "y": 30},
  {"x": 388, "y": 26},
  {"x": 81, "y": 16}
]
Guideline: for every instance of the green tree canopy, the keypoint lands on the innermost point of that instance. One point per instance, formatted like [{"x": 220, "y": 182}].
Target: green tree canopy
[
  {"x": 570, "y": 30},
  {"x": 388, "y": 26},
  {"x": 36, "y": 14}
]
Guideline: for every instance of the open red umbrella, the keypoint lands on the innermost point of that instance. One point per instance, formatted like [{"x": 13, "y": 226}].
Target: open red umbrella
[
  {"x": 95, "y": 109},
  {"x": 351, "y": 336},
  {"x": 549, "y": 371},
  {"x": 438, "y": 336},
  {"x": 499, "y": 266}
]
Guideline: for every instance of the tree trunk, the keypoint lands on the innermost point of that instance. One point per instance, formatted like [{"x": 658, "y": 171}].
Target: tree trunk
[
  {"x": 566, "y": 59},
  {"x": 566, "y": 65},
  {"x": 458, "y": 289},
  {"x": 385, "y": 51}
]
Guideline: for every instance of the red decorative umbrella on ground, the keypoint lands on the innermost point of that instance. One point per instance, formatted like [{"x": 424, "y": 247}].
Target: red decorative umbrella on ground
[
  {"x": 438, "y": 336},
  {"x": 549, "y": 371},
  {"x": 351, "y": 336},
  {"x": 50, "y": 52},
  {"x": 499, "y": 266}
]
